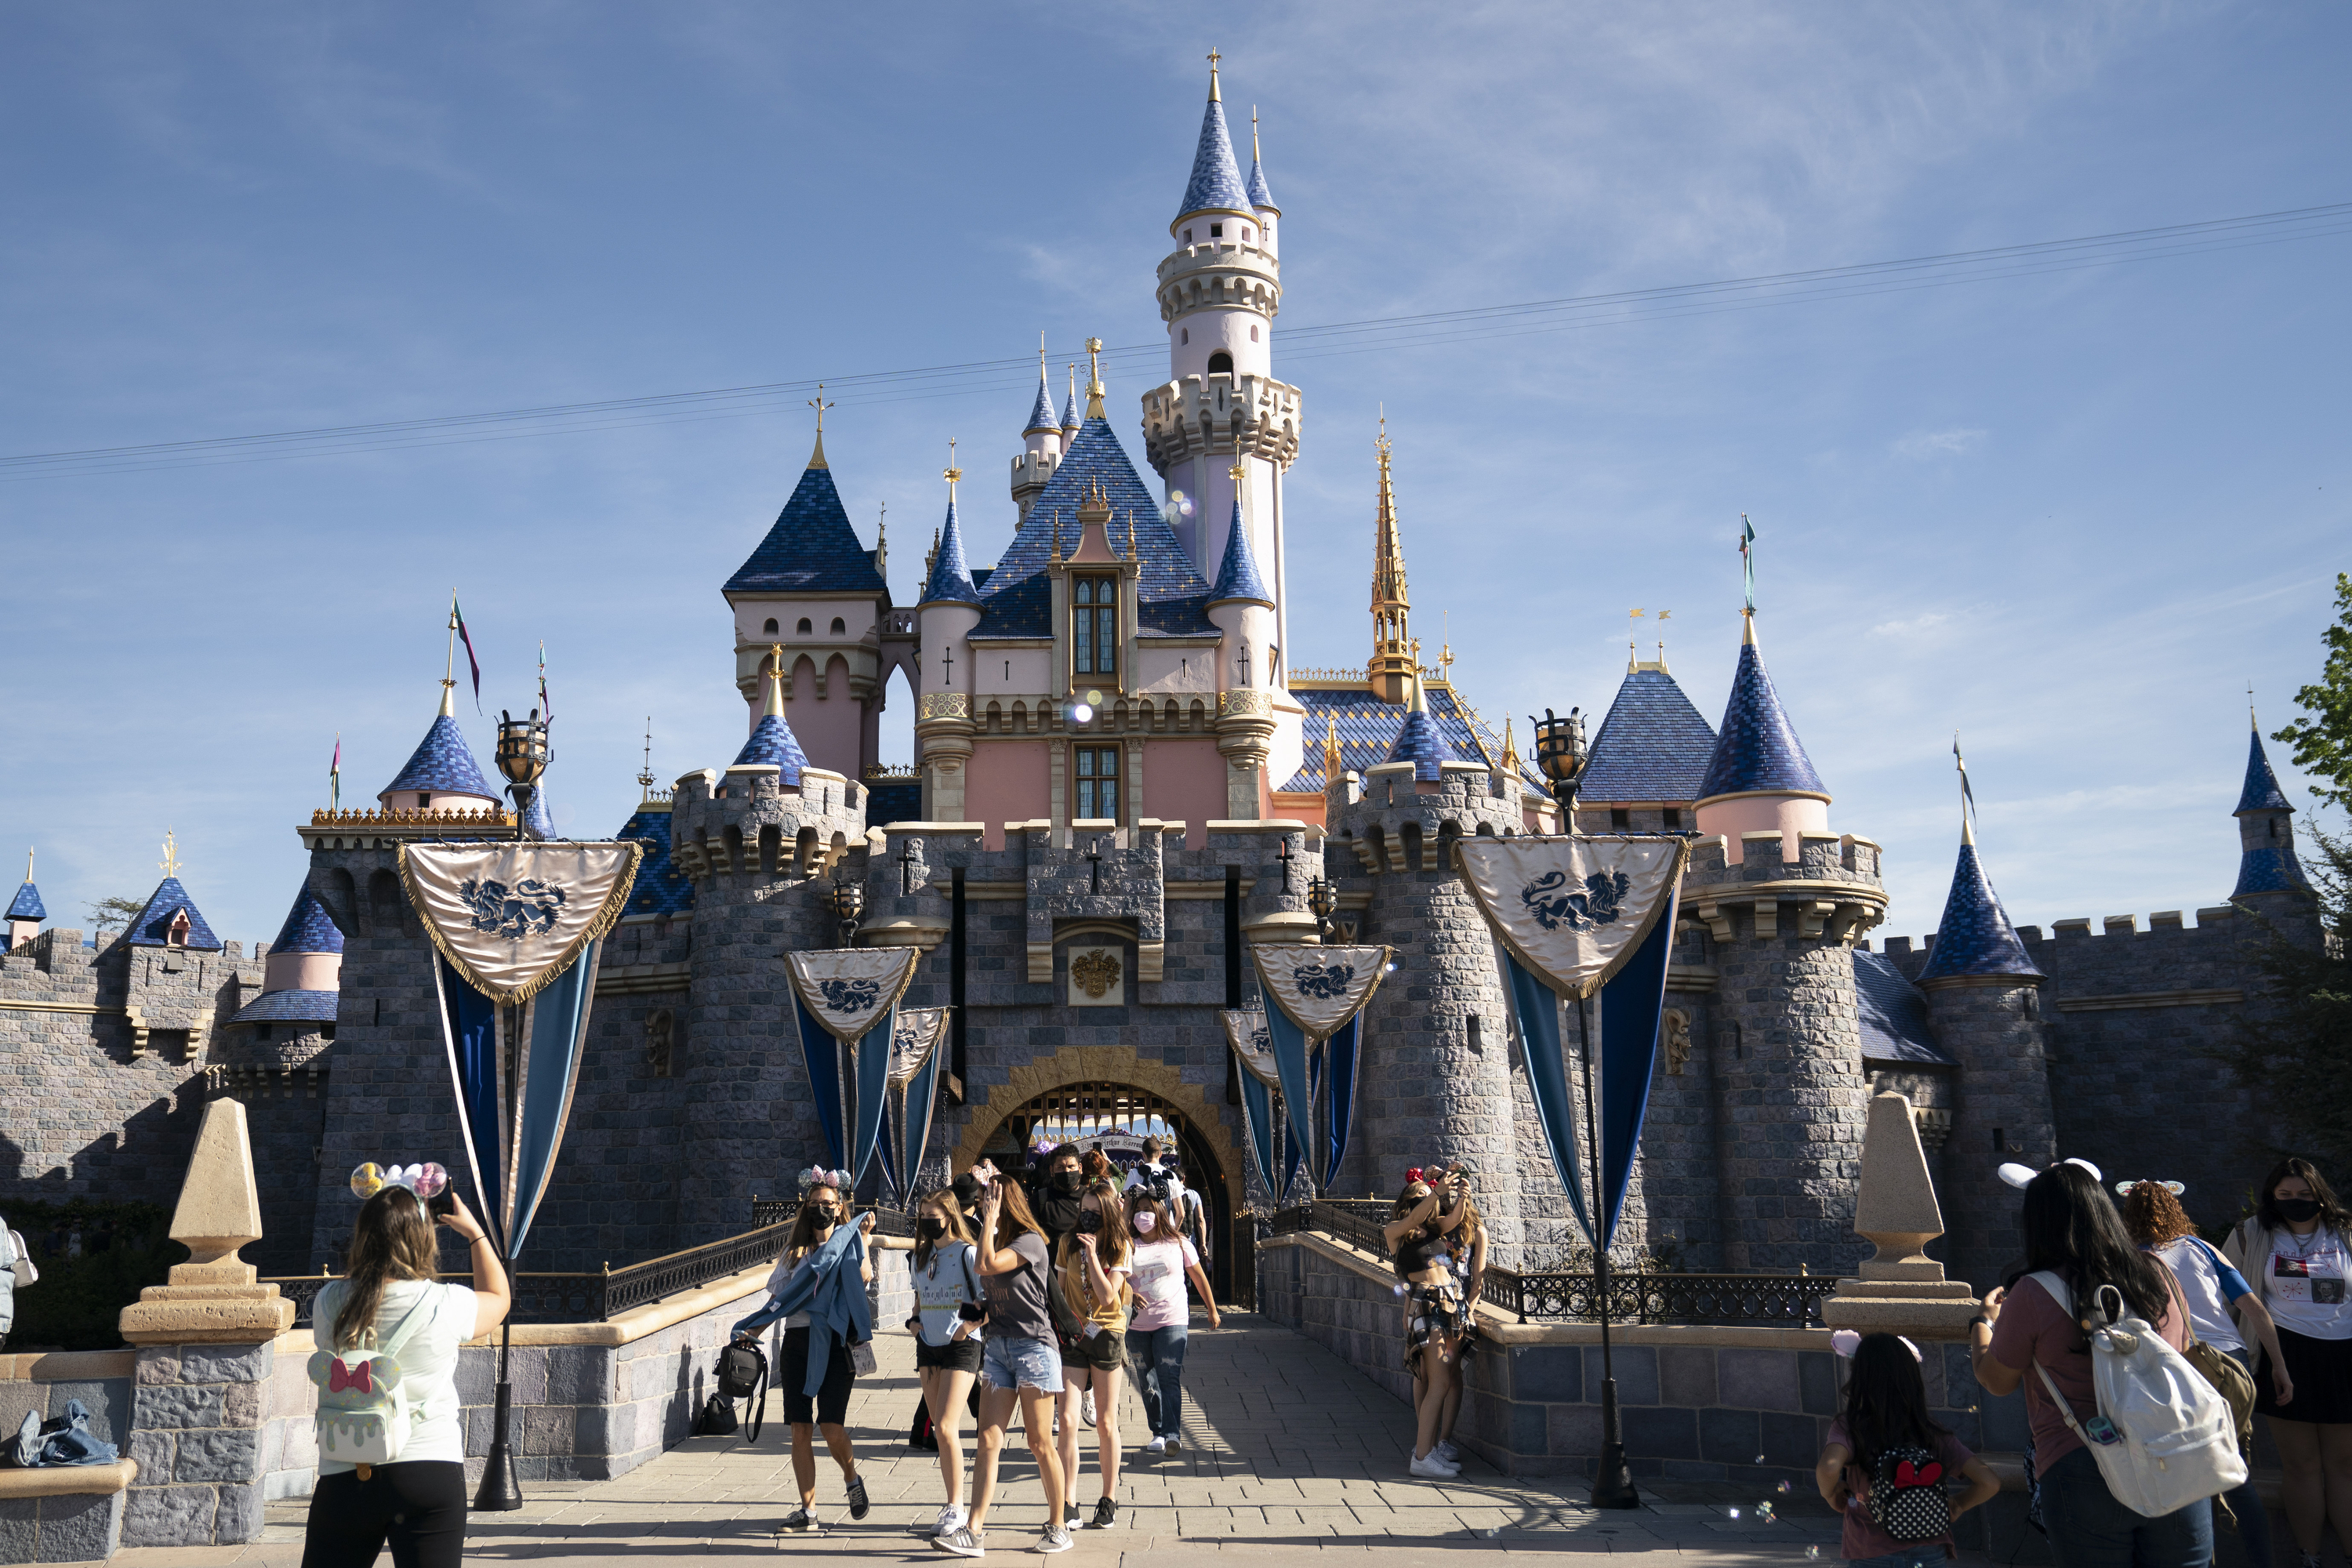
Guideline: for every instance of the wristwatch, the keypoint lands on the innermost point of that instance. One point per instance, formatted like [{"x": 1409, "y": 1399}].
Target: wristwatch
[{"x": 1980, "y": 1318}]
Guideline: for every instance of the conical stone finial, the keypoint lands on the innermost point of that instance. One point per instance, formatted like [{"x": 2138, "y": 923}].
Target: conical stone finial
[
  {"x": 213, "y": 1298},
  {"x": 1901, "y": 1289}
]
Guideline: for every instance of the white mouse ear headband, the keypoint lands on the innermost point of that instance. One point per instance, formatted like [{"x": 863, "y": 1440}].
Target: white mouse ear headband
[
  {"x": 2018, "y": 1175},
  {"x": 2123, "y": 1189},
  {"x": 1846, "y": 1341}
]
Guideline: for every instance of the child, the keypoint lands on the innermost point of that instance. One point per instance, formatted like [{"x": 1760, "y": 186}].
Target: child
[{"x": 1887, "y": 1410}]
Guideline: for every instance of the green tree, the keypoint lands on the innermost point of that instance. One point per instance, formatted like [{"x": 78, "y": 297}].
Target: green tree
[
  {"x": 2323, "y": 740},
  {"x": 111, "y": 914}
]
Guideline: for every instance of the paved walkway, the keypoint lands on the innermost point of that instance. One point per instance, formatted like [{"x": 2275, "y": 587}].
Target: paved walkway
[{"x": 1287, "y": 1451}]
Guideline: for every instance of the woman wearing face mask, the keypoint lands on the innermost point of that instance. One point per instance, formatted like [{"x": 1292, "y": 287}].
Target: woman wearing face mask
[
  {"x": 2294, "y": 1253},
  {"x": 1090, "y": 1301},
  {"x": 822, "y": 1209},
  {"x": 949, "y": 1306},
  {"x": 1420, "y": 1238},
  {"x": 1156, "y": 1333},
  {"x": 1466, "y": 1254}
]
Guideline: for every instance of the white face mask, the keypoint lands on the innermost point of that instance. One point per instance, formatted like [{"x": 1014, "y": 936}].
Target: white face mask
[{"x": 1143, "y": 1224}]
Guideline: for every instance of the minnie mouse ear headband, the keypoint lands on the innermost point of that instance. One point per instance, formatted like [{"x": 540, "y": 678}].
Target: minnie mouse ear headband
[
  {"x": 1846, "y": 1341},
  {"x": 2018, "y": 1175},
  {"x": 2123, "y": 1189},
  {"x": 425, "y": 1179},
  {"x": 818, "y": 1176}
]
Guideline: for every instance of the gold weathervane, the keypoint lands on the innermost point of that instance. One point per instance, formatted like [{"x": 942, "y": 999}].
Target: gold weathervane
[
  {"x": 952, "y": 471},
  {"x": 170, "y": 863},
  {"x": 820, "y": 404}
]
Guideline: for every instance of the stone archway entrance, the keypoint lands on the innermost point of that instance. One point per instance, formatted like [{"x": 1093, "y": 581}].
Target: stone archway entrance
[{"x": 1098, "y": 1093}]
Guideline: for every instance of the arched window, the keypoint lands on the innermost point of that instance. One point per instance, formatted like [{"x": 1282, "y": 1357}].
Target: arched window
[
  {"x": 1221, "y": 361},
  {"x": 1185, "y": 335},
  {"x": 1188, "y": 237},
  {"x": 839, "y": 628},
  {"x": 803, "y": 628},
  {"x": 1253, "y": 334},
  {"x": 770, "y": 627}
]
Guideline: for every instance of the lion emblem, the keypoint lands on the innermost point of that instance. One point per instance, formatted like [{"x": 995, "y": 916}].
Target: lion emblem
[
  {"x": 851, "y": 996},
  {"x": 529, "y": 910},
  {"x": 1096, "y": 971},
  {"x": 1327, "y": 981},
  {"x": 1549, "y": 900}
]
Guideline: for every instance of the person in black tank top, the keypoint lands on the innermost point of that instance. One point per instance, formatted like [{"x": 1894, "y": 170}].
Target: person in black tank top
[{"x": 1420, "y": 1238}]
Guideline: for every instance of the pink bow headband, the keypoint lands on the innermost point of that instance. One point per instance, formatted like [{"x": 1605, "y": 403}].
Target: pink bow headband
[
  {"x": 2018, "y": 1175},
  {"x": 818, "y": 1176},
  {"x": 1846, "y": 1341}
]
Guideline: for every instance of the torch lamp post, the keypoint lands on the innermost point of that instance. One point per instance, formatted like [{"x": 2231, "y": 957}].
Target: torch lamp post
[
  {"x": 1561, "y": 754},
  {"x": 1322, "y": 902},
  {"x": 848, "y": 903},
  {"x": 522, "y": 757}
]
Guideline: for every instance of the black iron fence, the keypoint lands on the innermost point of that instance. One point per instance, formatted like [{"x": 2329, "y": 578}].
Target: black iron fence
[
  {"x": 780, "y": 1211},
  {"x": 1778, "y": 1301}
]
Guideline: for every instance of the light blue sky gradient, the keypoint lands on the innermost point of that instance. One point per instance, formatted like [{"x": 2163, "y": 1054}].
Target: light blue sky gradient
[{"x": 2070, "y": 515}]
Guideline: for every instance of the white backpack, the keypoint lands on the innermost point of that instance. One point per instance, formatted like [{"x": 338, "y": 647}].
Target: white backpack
[
  {"x": 364, "y": 1413},
  {"x": 2163, "y": 1438}
]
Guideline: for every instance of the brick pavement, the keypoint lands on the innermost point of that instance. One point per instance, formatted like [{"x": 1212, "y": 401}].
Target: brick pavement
[{"x": 1288, "y": 1450}]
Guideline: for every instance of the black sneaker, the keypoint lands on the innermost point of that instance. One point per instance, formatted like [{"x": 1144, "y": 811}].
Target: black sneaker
[
  {"x": 1106, "y": 1513},
  {"x": 800, "y": 1518},
  {"x": 859, "y": 1505}
]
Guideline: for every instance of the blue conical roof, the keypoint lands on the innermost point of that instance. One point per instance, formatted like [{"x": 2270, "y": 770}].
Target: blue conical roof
[
  {"x": 1041, "y": 412},
  {"x": 538, "y": 822},
  {"x": 1757, "y": 749},
  {"x": 1070, "y": 420},
  {"x": 1259, "y": 196},
  {"x": 1974, "y": 936},
  {"x": 307, "y": 927},
  {"x": 28, "y": 906},
  {"x": 1237, "y": 576},
  {"x": 661, "y": 887},
  {"x": 772, "y": 742},
  {"x": 951, "y": 576},
  {"x": 810, "y": 548},
  {"x": 154, "y": 926},
  {"x": 1216, "y": 181},
  {"x": 2261, "y": 792},
  {"x": 443, "y": 763},
  {"x": 1421, "y": 743}
]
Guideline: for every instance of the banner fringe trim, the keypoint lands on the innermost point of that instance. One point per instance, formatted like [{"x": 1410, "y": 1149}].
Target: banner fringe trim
[{"x": 599, "y": 925}]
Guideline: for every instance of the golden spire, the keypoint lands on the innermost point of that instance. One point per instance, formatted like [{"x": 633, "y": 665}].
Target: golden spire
[
  {"x": 1510, "y": 749},
  {"x": 952, "y": 473},
  {"x": 882, "y": 544},
  {"x": 816, "y": 458},
  {"x": 1392, "y": 656},
  {"x": 1214, "y": 96},
  {"x": 28, "y": 863},
  {"x": 1094, "y": 379},
  {"x": 774, "y": 707},
  {"x": 1073, "y": 403},
  {"x": 1333, "y": 763},
  {"x": 170, "y": 863},
  {"x": 1255, "y": 157},
  {"x": 1057, "y": 534}
]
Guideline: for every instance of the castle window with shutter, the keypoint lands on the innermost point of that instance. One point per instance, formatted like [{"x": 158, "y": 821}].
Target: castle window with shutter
[
  {"x": 1096, "y": 771},
  {"x": 1094, "y": 625}
]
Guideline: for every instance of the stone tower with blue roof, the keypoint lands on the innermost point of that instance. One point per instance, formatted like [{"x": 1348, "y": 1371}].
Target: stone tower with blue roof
[
  {"x": 26, "y": 911},
  {"x": 2266, "y": 859}
]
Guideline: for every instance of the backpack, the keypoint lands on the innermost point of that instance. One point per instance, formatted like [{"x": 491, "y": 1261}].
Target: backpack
[
  {"x": 2230, "y": 1379},
  {"x": 364, "y": 1413},
  {"x": 19, "y": 1261},
  {"x": 742, "y": 1374},
  {"x": 2163, "y": 1438},
  {"x": 1907, "y": 1494},
  {"x": 718, "y": 1418}
]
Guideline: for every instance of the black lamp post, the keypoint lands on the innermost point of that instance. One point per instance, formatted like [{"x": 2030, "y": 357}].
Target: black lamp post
[
  {"x": 1322, "y": 902},
  {"x": 848, "y": 903},
  {"x": 522, "y": 757},
  {"x": 1561, "y": 754}
]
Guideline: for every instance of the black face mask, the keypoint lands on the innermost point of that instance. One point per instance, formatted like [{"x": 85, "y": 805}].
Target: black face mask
[
  {"x": 827, "y": 1218},
  {"x": 934, "y": 1228},
  {"x": 2298, "y": 1209},
  {"x": 1067, "y": 1180}
]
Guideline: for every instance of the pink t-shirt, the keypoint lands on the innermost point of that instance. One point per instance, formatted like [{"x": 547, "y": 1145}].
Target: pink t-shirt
[
  {"x": 2033, "y": 1327},
  {"x": 1157, "y": 1277},
  {"x": 1862, "y": 1536}
]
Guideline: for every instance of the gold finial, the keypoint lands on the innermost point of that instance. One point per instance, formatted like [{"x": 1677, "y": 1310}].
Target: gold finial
[
  {"x": 1130, "y": 535},
  {"x": 1094, "y": 379},
  {"x": 646, "y": 773},
  {"x": 1392, "y": 605},
  {"x": 954, "y": 473},
  {"x": 1215, "y": 97},
  {"x": 1510, "y": 748},
  {"x": 2250, "y": 719},
  {"x": 816, "y": 458},
  {"x": 1073, "y": 404},
  {"x": 1255, "y": 158},
  {"x": 774, "y": 705},
  {"x": 171, "y": 861},
  {"x": 882, "y": 544},
  {"x": 28, "y": 863},
  {"x": 1334, "y": 763}
]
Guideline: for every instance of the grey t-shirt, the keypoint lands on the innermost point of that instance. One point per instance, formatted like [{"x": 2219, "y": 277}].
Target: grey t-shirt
[{"x": 1016, "y": 1298}]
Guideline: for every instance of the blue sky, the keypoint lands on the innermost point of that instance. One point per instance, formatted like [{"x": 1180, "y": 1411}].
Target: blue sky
[{"x": 2071, "y": 515}]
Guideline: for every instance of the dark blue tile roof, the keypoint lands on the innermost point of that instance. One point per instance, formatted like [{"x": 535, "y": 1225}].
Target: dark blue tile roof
[
  {"x": 1652, "y": 746},
  {"x": 1369, "y": 728},
  {"x": 538, "y": 822},
  {"x": 307, "y": 927},
  {"x": 1259, "y": 196},
  {"x": 1070, "y": 420},
  {"x": 2261, "y": 792},
  {"x": 661, "y": 887},
  {"x": 1757, "y": 748},
  {"x": 443, "y": 763},
  {"x": 950, "y": 577},
  {"x": 1216, "y": 181},
  {"x": 278, "y": 1007},
  {"x": 899, "y": 800},
  {"x": 772, "y": 741},
  {"x": 1894, "y": 1014},
  {"x": 1041, "y": 412},
  {"x": 2269, "y": 868},
  {"x": 811, "y": 548},
  {"x": 28, "y": 906},
  {"x": 1974, "y": 936},
  {"x": 1419, "y": 742},
  {"x": 1018, "y": 596},
  {"x": 154, "y": 926},
  {"x": 1237, "y": 576}
]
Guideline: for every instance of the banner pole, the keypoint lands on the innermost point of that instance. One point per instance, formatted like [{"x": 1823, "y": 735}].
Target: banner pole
[
  {"x": 1612, "y": 1482},
  {"x": 499, "y": 1492}
]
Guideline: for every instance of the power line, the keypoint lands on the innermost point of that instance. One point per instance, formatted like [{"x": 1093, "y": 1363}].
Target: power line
[{"x": 1387, "y": 334}]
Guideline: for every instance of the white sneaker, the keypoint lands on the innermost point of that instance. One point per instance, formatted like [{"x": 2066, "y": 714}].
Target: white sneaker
[
  {"x": 1430, "y": 1468},
  {"x": 1445, "y": 1450},
  {"x": 1056, "y": 1539},
  {"x": 1175, "y": 1442},
  {"x": 950, "y": 1519},
  {"x": 1157, "y": 1446},
  {"x": 1087, "y": 1406}
]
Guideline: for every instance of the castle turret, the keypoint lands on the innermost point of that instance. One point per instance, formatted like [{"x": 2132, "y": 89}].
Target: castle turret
[
  {"x": 2267, "y": 861},
  {"x": 301, "y": 980},
  {"x": 1261, "y": 200},
  {"x": 1984, "y": 1004},
  {"x": 1418, "y": 742},
  {"x": 26, "y": 912},
  {"x": 1391, "y": 672},
  {"x": 772, "y": 743},
  {"x": 1759, "y": 778},
  {"x": 1242, "y": 607},
  {"x": 1042, "y": 444},
  {"x": 950, "y": 610},
  {"x": 441, "y": 773},
  {"x": 1071, "y": 423}
]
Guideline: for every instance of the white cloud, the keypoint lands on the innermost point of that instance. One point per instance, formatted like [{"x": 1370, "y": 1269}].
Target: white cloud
[
  {"x": 1910, "y": 626},
  {"x": 1922, "y": 445}
]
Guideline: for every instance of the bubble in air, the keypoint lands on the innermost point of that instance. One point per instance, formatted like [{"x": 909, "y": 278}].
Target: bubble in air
[
  {"x": 1397, "y": 1289},
  {"x": 1734, "y": 1513},
  {"x": 367, "y": 1179},
  {"x": 1812, "y": 1551},
  {"x": 430, "y": 1178},
  {"x": 1759, "y": 1459},
  {"x": 1764, "y": 1511},
  {"x": 1785, "y": 1489}
]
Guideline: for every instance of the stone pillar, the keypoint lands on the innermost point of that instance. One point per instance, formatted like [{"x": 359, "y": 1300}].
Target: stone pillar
[
  {"x": 203, "y": 1406},
  {"x": 1901, "y": 1289},
  {"x": 1991, "y": 1024}
]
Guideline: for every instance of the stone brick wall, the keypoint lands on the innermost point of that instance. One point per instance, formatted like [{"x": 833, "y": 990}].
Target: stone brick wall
[{"x": 210, "y": 1436}]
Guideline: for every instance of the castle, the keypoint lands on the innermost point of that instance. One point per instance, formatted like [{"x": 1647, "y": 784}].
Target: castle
[{"x": 1123, "y": 778}]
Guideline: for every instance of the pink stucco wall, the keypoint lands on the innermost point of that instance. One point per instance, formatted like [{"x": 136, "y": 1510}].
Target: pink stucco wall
[
  {"x": 1006, "y": 781},
  {"x": 831, "y": 728},
  {"x": 1787, "y": 814},
  {"x": 1184, "y": 781}
]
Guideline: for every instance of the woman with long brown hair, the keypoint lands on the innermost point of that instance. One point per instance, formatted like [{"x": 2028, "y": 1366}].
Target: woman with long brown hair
[
  {"x": 392, "y": 1297},
  {"x": 1420, "y": 1238},
  {"x": 1090, "y": 1301},
  {"x": 822, "y": 1208},
  {"x": 1466, "y": 1254},
  {"x": 949, "y": 1306},
  {"x": 1019, "y": 1365}
]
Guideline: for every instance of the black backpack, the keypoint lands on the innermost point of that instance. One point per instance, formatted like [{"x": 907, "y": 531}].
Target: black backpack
[
  {"x": 742, "y": 1374},
  {"x": 1907, "y": 1495}
]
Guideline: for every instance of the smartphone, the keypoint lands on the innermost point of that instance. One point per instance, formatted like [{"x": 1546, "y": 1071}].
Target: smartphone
[{"x": 441, "y": 1203}]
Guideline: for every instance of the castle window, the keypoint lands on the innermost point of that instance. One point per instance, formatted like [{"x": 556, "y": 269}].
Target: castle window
[
  {"x": 1094, "y": 625},
  {"x": 803, "y": 628},
  {"x": 1188, "y": 237},
  {"x": 1246, "y": 232},
  {"x": 839, "y": 628},
  {"x": 1186, "y": 336},
  {"x": 1253, "y": 334},
  {"x": 1619, "y": 820},
  {"x": 1216, "y": 231},
  {"x": 261, "y": 1032},
  {"x": 1221, "y": 361},
  {"x": 770, "y": 627},
  {"x": 1096, "y": 768},
  {"x": 424, "y": 801},
  {"x": 1673, "y": 817},
  {"x": 2274, "y": 827}
]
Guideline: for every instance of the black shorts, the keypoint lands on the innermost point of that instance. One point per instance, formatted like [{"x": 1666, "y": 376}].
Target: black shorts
[
  {"x": 2322, "y": 1370},
  {"x": 956, "y": 1356},
  {"x": 831, "y": 1405}
]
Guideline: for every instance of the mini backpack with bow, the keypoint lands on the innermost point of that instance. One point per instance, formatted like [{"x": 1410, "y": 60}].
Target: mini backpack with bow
[
  {"x": 1907, "y": 1495},
  {"x": 364, "y": 1413}
]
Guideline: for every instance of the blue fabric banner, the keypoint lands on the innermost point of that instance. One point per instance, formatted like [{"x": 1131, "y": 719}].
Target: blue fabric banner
[
  {"x": 1537, "y": 1011},
  {"x": 873, "y": 1083},
  {"x": 1289, "y": 1045},
  {"x": 470, "y": 1025},
  {"x": 557, "y": 1038},
  {"x": 1338, "y": 1107},
  {"x": 1257, "y": 1120},
  {"x": 821, "y": 1054}
]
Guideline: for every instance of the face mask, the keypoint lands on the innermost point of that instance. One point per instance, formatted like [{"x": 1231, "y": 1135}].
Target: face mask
[
  {"x": 1143, "y": 1223},
  {"x": 828, "y": 1216},
  {"x": 2299, "y": 1209},
  {"x": 1067, "y": 1180},
  {"x": 934, "y": 1228}
]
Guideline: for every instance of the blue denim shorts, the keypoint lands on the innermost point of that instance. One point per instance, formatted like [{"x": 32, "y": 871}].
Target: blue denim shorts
[{"x": 1011, "y": 1363}]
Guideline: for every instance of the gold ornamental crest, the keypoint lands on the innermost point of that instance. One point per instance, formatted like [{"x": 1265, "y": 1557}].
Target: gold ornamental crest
[{"x": 1096, "y": 971}]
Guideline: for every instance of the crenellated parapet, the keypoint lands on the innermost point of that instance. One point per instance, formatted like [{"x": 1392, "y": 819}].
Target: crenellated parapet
[
  {"x": 1394, "y": 825},
  {"x": 1220, "y": 275},
  {"x": 1831, "y": 893},
  {"x": 741, "y": 824},
  {"x": 1221, "y": 415}
]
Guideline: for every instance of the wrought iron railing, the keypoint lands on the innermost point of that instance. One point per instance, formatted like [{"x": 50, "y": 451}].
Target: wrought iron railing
[
  {"x": 1786, "y": 1300},
  {"x": 780, "y": 1211}
]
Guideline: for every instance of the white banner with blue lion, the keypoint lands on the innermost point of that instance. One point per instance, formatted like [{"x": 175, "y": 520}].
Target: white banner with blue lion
[
  {"x": 510, "y": 917},
  {"x": 1572, "y": 910}
]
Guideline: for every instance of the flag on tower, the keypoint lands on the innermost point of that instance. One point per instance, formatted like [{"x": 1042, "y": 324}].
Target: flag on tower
[
  {"x": 458, "y": 625},
  {"x": 1968, "y": 796},
  {"x": 1748, "y": 559},
  {"x": 546, "y": 706},
  {"x": 335, "y": 775}
]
